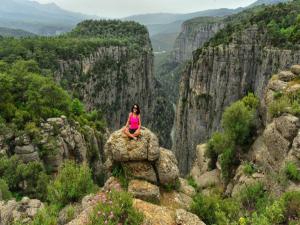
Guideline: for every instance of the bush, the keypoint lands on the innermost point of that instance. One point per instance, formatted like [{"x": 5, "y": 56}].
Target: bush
[
  {"x": 253, "y": 197},
  {"x": 279, "y": 106},
  {"x": 192, "y": 182},
  {"x": 214, "y": 210},
  {"x": 115, "y": 208},
  {"x": 292, "y": 172},
  {"x": 217, "y": 145},
  {"x": 46, "y": 216},
  {"x": 71, "y": 184},
  {"x": 5, "y": 194},
  {"x": 228, "y": 161},
  {"x": 249, "y": 168},
  {"x": 119, "y": 172},
  {"x": 292, "y": 205},
  {"x": 14, "y": 172},
  {"x": 237, "y": 120}
]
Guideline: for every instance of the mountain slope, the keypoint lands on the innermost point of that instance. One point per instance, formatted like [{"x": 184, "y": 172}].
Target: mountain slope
[
  {"x": 44, "y": 19},
  {"x": 7, "y": 32}
]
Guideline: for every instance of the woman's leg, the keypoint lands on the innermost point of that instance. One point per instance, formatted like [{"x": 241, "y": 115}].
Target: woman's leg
[
  {"x": 126, "y": 131},
  {"x": 137, "y": 133}
]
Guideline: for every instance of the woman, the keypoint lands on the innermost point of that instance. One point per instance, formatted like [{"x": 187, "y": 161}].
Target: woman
[{"x": 133, "y": 125}]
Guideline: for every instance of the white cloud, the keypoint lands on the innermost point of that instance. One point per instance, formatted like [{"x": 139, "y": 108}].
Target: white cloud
[{"x": 121, "y": 8}]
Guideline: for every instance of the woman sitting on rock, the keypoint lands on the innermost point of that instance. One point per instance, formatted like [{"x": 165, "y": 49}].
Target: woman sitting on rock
[{"x": 133, "y": 125}]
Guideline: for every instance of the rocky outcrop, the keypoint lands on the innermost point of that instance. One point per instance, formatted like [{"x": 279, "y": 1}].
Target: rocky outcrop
[
  {"x": 154, "y": 214},
  {"x": 278, "y": 143},
  {"x": 142, "y": 158},
  {"x": 194, "y": 33},
  {"x": 22, "y": 211},
  {"x": 57, "y": 140},
  {"x": 279, "y": 140},
  {"x": 217, "y": 77}
]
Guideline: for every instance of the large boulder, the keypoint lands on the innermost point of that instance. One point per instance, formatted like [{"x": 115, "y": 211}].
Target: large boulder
[
  {"x": 154, "y": 214},
  {"x": 167, "y": 168},
  {"x": 175, "y": 200},
  {"x": 209, "y": 179},
  {"x": 296, "y": 69},
  {"x": 186, "y": 218},
  {"x": 286, "y": 76},
  {"x": 201, "y": 162},
  {"x": 120, "y": 148},
  {"x": 142, "y": 170},
  {"x": 160, "y": 215},
  {"x": 277, "y": 145},
  {"x": 287, "y": 125},
  {"x": 144, "y": 190}
]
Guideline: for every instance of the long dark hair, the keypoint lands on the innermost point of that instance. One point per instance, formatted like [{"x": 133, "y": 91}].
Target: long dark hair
[{"x": 138, "y": 109}]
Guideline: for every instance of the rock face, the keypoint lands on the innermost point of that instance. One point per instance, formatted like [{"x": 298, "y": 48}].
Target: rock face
[
  {"x": 216, "y": 77},
  {"x": 61, "y": 141},
  {"x": 112, "y": 79},
  {"x": 279, "y": 140},
  {"x": 142, "y": 159},
  {"x": 194, "y": 33},
  {"x": 23, "y": 210}
]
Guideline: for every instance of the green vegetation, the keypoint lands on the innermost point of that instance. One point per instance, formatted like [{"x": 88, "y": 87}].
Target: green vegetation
[
  {"x": 213, "y": 209},
  {"x": 5, "y": 194},
  {"x": 285, "y": 102},
  {"x": 46, "y": 216},
  {"x": 253, "y": 197},
  {"x": 14, "y": 172},
  {"x": 115, "y": 208},
  {"x": 71, "y": 184},
  {"x": 292, "y": 171},
  {"x": 119, "y": 172},
  {"x": 281, "y": 23},
  {"x": 237, "y": 123},
  {"x": 249, "y": 168},
  {"x": 252, "y": 206}
]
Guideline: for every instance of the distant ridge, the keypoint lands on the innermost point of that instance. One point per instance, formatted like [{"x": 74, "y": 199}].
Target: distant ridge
[
  {"x": 42, "y": 19},
  {"x": 8, "y": 32}
]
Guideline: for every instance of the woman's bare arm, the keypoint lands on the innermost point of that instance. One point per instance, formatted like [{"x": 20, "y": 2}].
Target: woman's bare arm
[
  {"x": 140, "y": 122},
  {"x": 127, "y": 123}
]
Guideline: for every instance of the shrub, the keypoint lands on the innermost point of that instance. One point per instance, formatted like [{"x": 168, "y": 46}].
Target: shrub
[
  {"x": 71, "y": 184},
  {"x": 227, "y": 161},
  {"x": 292, "y": 205},
  {"x": 217, "y": 145},
  {"x": 251, "y": 101},
  {"x": 249, "y": 168},
  {"x": 237, "y": 120},
  {"x": 4, "y": 190},
  {"x": 292, "y": 171},
  {"x": 192, "y": 182},
  {"x": 253, "y": 197},
  {"x": 214, "y": 210},
  {"x": 46, "y": 216},
  {"x": 279, "y": 106},
  {"x": 119, "y": 172},
  {"x": 115, "y": 208},
  {"x": 14, "y": 172}
]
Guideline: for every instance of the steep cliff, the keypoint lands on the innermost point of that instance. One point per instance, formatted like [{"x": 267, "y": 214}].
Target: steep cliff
[
  {"x": 194, "y": 33},
  {"x": 240, "y": 59}
]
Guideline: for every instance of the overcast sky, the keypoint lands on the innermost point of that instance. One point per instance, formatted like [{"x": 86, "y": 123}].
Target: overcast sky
[{"x": 122, "y": 8}]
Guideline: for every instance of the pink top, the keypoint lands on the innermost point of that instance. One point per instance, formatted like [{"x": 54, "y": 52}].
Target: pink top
[{"x": 134, "y": 122}]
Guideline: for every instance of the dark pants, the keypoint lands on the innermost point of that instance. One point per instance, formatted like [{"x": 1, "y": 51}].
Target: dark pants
[{"x": 132, "y": 130}]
